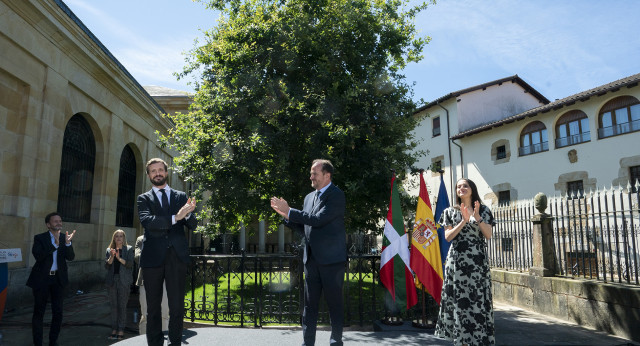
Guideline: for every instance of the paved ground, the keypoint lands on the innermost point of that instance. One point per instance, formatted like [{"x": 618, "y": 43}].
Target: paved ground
[{"x": 86, "y": 323}]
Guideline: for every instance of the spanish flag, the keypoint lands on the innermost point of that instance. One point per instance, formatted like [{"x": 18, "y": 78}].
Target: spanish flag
[{"x": 425, "y": 247}]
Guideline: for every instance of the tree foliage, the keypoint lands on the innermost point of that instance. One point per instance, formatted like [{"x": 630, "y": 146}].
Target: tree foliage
[{"x": 284, "y": 82}]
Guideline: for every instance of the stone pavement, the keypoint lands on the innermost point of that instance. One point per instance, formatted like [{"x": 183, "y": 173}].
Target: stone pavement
[{"x": 86, "y": 323}]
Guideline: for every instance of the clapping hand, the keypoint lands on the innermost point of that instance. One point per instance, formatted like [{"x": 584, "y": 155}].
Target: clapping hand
[
  {"x": 69, "y": 236},
  {"x": 476, "y": 211},
  {"x": 280, "y": 206},
  {"x": 189, "y": 207},
  {"x": 466, "y": 215}
]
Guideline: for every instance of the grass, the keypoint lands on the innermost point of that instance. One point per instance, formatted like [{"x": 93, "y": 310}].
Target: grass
[{"x": 277, "y": 296}]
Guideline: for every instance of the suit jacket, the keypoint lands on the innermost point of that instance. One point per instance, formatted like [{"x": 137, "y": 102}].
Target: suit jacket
[
  {"x": 159, "y": 233},
  {"x": 322, "y": 226},
  {"x": 137, "y": 254},
  {"x": 126, "y": 270},
  {"x": 43, "y": 251}
]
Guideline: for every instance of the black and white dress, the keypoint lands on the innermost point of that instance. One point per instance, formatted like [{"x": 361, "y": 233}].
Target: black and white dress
[{"x": 466, "y": 307}]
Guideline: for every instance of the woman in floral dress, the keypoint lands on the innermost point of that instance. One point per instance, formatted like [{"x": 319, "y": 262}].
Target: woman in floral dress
[{"x": 466, "y": 308}]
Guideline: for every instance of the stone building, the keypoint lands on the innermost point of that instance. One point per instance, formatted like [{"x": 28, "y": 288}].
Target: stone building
[{"x": 76, "y": 130}]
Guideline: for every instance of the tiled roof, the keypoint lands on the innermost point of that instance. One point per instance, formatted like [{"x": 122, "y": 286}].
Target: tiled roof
[
  {"x": 104, "y": 49},
  {"x": 513, "y": 79},
  {"x": 627, "y": 82}
]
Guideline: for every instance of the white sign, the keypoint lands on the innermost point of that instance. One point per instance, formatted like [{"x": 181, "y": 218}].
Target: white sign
[{"x": 10, "y": 255}]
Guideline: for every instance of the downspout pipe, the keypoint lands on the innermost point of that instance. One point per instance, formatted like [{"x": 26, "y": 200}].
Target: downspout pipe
[
  {"x": 461, "y": 160},
  {"x": 449, "y": 141}
]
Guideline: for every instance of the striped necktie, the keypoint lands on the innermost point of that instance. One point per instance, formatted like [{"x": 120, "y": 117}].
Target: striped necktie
[{"x": 316, "y": 198}]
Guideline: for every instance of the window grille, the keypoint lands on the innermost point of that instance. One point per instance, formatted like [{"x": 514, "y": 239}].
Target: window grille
[
  {"x": 504, "y": 197},
  {"x": 75, "y": 187},
  {"x": 575, "y": 189},
  {"x": 501, "y": 152},
  {"x": 436, "y": 126},
  {"x": 126, "y": 188},
  {"x": 634, "y": 177}
]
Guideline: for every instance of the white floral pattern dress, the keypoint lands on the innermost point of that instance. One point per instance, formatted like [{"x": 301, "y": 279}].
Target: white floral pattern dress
[{"x": 466, "y": 306}]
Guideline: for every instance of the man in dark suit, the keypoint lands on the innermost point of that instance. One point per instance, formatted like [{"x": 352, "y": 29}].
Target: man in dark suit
[
  {"x": 164, "y": 212},
  {"x": 321, "y": 221},
  {"x": 49, "y": 276}
]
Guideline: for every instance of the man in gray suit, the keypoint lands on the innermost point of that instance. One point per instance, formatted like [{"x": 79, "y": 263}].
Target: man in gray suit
[
  {"x": 164, "y": 212},
  {"x": 321, "y": 221}
]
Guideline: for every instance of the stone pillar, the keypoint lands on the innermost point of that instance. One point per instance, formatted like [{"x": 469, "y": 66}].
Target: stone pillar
[
  {"x": 281, "y": 238},
  {"x": 243, "y": 237},
  {"x": 544, "y": 257},
  {"x": 261, "y": 236}
]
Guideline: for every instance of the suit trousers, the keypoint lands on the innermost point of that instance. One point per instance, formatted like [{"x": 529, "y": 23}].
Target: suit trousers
[
  {"x": 40, "y": 296},
  {"x": 142, "y": 326},
  {"x": 319, "y": 279},
  {"x": 118, "y": 298},
  {"x": 173, "y": 273}
]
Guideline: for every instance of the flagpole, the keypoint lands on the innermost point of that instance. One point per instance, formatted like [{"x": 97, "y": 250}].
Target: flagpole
[
  {"x": 423, "y": 323},
  {"x": 392, "y": 318}
]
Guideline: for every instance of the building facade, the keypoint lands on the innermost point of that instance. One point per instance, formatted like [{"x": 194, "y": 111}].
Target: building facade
[
  {"x": 574, "y": 145},
  {"x": 76, "y": 130}
]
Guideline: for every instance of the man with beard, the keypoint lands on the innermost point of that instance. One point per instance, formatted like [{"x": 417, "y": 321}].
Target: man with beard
[
  {"x": 49, "y": 276},
  {"x": 164, "y": 212}
]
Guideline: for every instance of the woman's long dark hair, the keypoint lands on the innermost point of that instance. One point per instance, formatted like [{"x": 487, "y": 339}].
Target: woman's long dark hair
[{"x": 474, "y": 193}]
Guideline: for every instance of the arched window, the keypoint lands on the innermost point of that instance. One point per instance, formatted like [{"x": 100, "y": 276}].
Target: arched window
[
  {"x": 618, "y": 116},
  {"x": 533, "y": 139},
  {"x": 572, "y": 128},
  {"x": 126, "y": 188},
  {"x": 76, "y": 171}
]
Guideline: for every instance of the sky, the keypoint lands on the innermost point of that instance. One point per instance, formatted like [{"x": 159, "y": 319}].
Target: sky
[{"x": 559, "y": 47}]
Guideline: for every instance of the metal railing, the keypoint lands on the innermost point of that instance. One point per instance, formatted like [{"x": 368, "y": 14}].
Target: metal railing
[
  {"x": 510, "y": 245},
  {"x": 619, "y": 129},
  {"x": 596, "y": 235},
  {"x": 259, "y": 290},
  {"x": 534, "y": 148},
  {"x": 573, "y": 139}
]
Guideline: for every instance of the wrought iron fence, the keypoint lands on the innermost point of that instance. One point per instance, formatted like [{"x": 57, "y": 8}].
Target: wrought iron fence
[
  {"x": 596, "y": 235},
  {"x": 258, "y": 290},
  {"x": 510, "y": 245}
]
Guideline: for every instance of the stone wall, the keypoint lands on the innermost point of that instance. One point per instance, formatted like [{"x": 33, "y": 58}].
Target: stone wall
[
  {"x": 612, "y": 308},
  {"x": 51, "y": 69}
]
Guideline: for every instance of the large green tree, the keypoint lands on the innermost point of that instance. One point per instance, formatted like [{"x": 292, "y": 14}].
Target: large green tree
[{"x": 284, "y": 82}]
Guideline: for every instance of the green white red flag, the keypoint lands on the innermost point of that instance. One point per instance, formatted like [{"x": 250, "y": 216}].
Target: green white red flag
[
  {"x": 426, "y": 261},
  {"x": 395, "y": 273}
]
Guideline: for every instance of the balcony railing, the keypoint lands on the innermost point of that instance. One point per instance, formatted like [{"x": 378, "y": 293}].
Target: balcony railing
[
  {"x": 619, "y": 129},
  {"x": 532, "y": 149},
  {"x": 571, "y": 140}
]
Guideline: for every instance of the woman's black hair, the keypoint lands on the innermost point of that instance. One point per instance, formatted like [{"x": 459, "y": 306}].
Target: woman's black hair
[{"x": 474, "y": 192}]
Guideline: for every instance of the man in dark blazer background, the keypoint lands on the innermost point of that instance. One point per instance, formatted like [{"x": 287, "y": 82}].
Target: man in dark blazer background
[
  {"x": 321, "y": 221},
  {"x": 49, "y": 276},
  {"x": 164, "y": 212}
]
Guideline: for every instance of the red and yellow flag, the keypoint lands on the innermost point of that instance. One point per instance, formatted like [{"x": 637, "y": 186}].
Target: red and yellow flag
[{"x": 425, "y": 248}]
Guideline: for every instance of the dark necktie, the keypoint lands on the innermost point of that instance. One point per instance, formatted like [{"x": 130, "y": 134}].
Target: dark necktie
[{"x": 165, "y": 202}]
